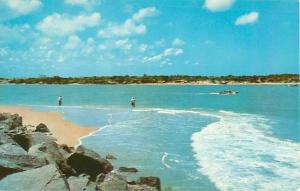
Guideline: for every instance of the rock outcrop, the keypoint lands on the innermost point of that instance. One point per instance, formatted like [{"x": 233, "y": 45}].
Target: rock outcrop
[
  {"x": 128, "y": 169},
  {"x": 30, "y": 159},
  {"x": 42, "y": 128},
  {"x": 88, "y": 162}
]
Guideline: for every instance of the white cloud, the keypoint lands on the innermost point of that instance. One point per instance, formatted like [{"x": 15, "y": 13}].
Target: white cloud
[
  {"x": 22, "y": 6},
  {"x": 143, "y": 47},
  {"x": 166, "y": 53},
  {"x": 60, "y": 25},
  {"x": 173, "y": 51},
  {"x": 73, "y": 42},
  {"x": 218, "y": 5},
  {"x": 145, "y": 12},
  {"x": 16, "y": 34},
  {"x": 123, "y": 44},
  {"x": 247, "y": 18},
  {"x": 126, "y": 29},
  {"x": 89, "y": 4},
  {"x": 178, "y": 42},
  {"x": 77, "y": 2},
  {"x": 131, "y": 26}
]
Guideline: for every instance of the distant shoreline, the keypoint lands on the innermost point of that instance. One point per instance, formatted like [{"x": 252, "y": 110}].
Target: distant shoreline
[
  {"x": 164, "y": 84},
  {"x": 273, "y": 79}
]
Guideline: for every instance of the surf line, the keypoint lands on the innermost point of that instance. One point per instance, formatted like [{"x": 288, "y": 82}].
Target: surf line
[
  {"x": 109, "y": 121},
  {"x": 163, "y": 158}
]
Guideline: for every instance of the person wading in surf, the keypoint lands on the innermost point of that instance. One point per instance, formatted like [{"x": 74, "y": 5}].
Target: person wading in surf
[
  {"x": 60, "y": 100},
  {"x": 132, "y": 102}
]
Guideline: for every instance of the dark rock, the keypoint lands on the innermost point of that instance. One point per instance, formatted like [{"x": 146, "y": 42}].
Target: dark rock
[
  {"x": 128, "y": 169},
  {"x": 50, "y": 151},
  {"x": 65, "y": 169},
  {"x": 110, "y": 157},
  {"x": 44, "y": 178},
  {"x": 42, "y": 128},
  {"x": 3, "y": 116},
  {"x": 66, "y": 148},
  {"x": 88, "y": 162},
  {"x": 14, "y": 159},
  {"x": 82, "y": 150},
  {"x": 100, "y": 178},
  {"x": 12, "y": 121},
  {"x": 114, "y": 182},
  {"x": 150, "y": 181},
  {"x": 24, "y": 140}
]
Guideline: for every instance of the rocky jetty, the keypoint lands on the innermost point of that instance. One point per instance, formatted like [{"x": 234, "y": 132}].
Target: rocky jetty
[{"x": 31, "y": 159}]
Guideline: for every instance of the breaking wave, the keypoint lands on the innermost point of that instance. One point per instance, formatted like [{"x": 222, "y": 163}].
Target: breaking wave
[{"x": 239, "y": 153}]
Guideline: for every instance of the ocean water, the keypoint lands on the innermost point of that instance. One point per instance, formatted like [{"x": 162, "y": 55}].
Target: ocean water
[{"x": 191, "y": 137}]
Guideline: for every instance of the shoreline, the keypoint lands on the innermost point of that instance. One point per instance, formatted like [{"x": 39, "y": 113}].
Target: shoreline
[
  {"x": 166, "y": 84},
  {"x": 66, "y": 132}
]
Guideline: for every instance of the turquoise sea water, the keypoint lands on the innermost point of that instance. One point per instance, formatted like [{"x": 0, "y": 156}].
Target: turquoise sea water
[{"x": 191, "y": 137}]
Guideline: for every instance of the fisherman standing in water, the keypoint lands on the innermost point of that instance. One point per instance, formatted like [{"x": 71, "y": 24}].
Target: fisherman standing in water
[
  {"x": 132, "y": 102},
  {"x": 60, "y": 100}
]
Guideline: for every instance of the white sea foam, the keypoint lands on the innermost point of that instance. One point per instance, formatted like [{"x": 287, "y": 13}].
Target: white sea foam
[
  {"x": 238, "y": 153},
  {"x": 163, "y": 158}
]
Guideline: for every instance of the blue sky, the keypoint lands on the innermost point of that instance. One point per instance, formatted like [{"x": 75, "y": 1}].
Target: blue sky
[{"x": 135, "y": 37}]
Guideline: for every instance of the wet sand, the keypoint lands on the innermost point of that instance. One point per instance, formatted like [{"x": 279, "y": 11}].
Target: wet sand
[{"x": 63, "y": 130}]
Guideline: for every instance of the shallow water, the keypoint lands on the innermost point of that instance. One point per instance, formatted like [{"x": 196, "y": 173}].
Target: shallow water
[{"x": 191, "y": 137}]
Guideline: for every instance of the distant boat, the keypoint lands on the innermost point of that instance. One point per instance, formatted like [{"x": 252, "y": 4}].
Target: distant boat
[
  {"x": 228, "y": 92},
  {"x": 293, "y": 85}
]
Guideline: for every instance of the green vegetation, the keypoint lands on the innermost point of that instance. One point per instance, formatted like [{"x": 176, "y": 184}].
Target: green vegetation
[{"x": 276, "y": 78}]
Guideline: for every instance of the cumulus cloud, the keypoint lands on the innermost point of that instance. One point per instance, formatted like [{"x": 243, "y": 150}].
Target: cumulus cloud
[
  {"x": 247, "y": 18},
  {"x": 123, "y": 44},
  {"x": 22, "y": 6},
  {"x": 218, "y": 5},
  {"x": 166, "y": 53},
  {"x": 131, "y": 26},
  {"x": 62, "y": 24},
  {"x": 73, "y": 42},
  {"x": 126, "y": 29},
  {"x": 16, "y": 34},
  {"x": 145, "y": 12},
  {"x": 178, "y": 42}
]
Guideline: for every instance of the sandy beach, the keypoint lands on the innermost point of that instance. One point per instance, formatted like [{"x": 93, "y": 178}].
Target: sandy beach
[{"x": 64, "y": 131}]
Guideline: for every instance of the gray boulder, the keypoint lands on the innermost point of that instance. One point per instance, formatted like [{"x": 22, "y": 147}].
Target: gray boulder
[
  {"x": 38, "y": 137},
  {"x": 47, "y": 178},
  {"x": 4, "y": 137},
  {"x": 114, "y": 182},
  {"x": 81, "y": 183},
  {"x": 15, "y": 159},
  {"x": 51, "y": 152},
  {"x": 47, "y": 150}
]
